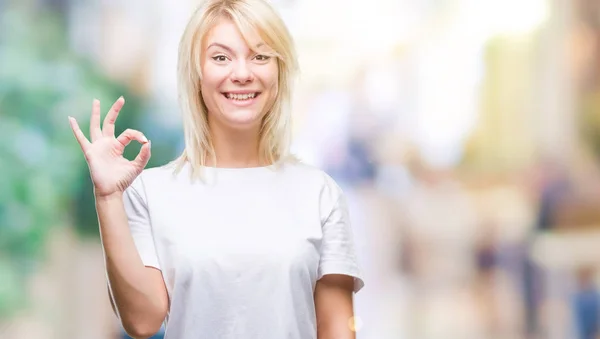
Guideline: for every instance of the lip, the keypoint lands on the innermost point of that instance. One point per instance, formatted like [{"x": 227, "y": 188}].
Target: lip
[
  {"x": 241, "y": 92},
  {"x": 241, "y": 103}
]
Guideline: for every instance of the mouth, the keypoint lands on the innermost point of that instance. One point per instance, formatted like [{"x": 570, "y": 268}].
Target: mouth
[{"x": 241, "y": 97}]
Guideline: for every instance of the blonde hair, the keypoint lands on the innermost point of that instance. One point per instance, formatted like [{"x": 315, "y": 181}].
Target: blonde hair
[{"x": 251, "y": 17}]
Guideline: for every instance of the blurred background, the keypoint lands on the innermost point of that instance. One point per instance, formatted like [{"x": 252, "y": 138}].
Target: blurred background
[{"x": 465, "y": 133}]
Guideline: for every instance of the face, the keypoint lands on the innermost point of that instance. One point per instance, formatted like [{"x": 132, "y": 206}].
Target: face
[{"x": 239, "y": 84}]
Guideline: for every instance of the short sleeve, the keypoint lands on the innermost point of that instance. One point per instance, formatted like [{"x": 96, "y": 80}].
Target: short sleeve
[
  {"x": 138, "y": 217},
  {"x": 338, "y": 254}
]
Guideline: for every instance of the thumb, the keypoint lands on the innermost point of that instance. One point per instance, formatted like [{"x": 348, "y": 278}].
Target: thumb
[{"x": 142, "y": 158}]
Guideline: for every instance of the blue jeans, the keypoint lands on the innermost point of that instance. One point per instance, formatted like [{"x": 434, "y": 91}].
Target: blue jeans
[
  {"x": 159, "y": 335},
  {"x": 586, "y": 305}
]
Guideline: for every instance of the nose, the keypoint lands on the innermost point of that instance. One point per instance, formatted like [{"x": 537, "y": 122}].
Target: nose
[{"x": 241, "y": 73}]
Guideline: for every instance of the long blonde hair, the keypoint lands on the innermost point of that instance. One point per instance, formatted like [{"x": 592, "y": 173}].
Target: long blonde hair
[{"x": 250, "y": 16}]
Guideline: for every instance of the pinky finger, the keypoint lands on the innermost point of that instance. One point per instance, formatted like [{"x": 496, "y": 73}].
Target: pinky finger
[
  {"x": 81, "y": 139},
  {"x": 143, "y": 157}
]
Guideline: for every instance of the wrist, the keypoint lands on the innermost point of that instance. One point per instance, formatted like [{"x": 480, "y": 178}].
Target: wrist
[{"x": 108, "y": 197}]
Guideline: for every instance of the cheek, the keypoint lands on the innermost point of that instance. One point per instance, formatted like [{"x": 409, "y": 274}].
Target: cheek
[
  {"x": 270, "y": 79},
  {"x": 274, "y": 78},
  {"x": 210, "y": 86},
  {"x": 207, "y": 90},
  {"x": 213, "y": 77}
]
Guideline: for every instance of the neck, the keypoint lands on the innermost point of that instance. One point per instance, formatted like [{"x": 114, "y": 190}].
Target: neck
[{"x": 235, "y": 149}]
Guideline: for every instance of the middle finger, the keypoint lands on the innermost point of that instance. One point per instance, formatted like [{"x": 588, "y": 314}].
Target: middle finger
[{"x": 108, "y": 128}]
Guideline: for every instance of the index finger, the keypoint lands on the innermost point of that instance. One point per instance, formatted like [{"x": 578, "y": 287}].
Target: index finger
[
  {"x": 95, "y": 131},
  {"x": 81, "y": 139}
]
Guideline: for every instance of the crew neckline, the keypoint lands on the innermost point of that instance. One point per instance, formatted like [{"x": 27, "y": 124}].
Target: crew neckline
[{"x": 237, "y": 169}]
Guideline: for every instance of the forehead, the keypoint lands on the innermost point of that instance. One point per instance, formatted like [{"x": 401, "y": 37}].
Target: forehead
[{"x": 226, "y": 32}]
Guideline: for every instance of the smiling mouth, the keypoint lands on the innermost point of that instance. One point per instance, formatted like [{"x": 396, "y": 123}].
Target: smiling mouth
[{"x": 240, "y": 96}]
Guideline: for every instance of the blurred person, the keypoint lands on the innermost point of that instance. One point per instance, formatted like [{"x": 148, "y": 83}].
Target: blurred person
[
  {"x": 553, "y": 186},
  {"x": 441, "y": 223},
  {"x": 235, "y": 238},
  {"x": 586, "y": 305},
  {"x": 487, "y": 274}
]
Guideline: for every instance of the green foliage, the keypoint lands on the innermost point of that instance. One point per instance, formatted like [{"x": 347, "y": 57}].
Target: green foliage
[{"x": 43, "y": 175}]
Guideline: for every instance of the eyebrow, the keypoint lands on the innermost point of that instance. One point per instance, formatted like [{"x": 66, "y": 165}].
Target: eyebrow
[{"x": 216, "y": 44}]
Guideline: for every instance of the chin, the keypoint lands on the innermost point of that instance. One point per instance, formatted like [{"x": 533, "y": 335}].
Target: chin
[{"x": 243, "y": 119}]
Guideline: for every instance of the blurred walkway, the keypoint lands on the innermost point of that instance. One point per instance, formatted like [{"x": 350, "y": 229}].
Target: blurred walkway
[{"x": 67, "y": 294}]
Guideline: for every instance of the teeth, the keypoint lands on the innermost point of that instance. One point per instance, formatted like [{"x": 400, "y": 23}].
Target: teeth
[{"x": 241, "y": 96}]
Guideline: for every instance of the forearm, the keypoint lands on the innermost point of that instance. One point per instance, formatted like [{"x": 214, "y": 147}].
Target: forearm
[
  {"x": 339, "y": 325},
  {"x": 136, "y": 296}
]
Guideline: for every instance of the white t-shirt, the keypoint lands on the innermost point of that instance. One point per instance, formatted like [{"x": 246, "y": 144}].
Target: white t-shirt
[{"x": 240, "y": 254}]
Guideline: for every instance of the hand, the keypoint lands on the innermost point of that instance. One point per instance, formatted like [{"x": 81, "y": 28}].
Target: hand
[{"x": 110, "y": 171}]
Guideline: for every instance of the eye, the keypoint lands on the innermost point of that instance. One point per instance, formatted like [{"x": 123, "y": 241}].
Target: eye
[
  {"x": 219, "y": 58},
  {"x": 262, "y": 57}
]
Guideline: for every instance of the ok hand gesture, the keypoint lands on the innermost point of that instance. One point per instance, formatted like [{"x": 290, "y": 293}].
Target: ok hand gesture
[{"x": 110, "y": 172}]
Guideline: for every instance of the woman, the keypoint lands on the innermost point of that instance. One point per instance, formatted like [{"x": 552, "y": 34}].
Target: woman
[{"x": 234, "y": 239}]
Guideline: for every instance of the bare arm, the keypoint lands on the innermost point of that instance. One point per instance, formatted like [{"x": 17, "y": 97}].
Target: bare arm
[
  {"x": 334, "y": 307},
  {"x": 140, "y": 296}
]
